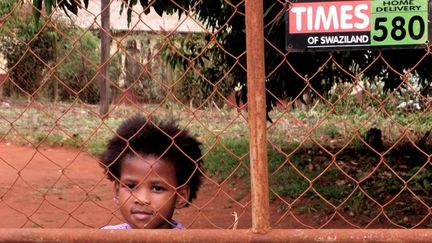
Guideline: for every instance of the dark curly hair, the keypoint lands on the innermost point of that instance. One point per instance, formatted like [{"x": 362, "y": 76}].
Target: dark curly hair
[{"x": 139, "y": 135}]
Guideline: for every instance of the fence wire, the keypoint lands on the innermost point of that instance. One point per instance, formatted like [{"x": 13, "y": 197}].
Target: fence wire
[{"x": 348, "y": 133}]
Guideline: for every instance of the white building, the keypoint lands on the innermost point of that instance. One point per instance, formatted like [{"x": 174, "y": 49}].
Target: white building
[{"x": 151, "y": 22}]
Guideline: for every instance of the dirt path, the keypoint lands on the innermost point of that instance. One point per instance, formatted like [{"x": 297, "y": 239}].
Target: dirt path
[{"x": 61, "y": 187}]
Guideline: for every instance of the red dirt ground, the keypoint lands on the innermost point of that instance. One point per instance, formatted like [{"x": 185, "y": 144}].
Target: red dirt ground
[
  {"x": 62, "y": 188},
  {"x": 65, "y": 188}
]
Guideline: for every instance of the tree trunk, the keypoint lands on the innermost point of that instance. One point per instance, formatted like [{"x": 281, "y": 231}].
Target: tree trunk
[
  {"x": 105, "y": 52},
  {"x": 374, "y": 139},
  {"x": 54, "y": 81},
  {"x": 1, "y": 90}
]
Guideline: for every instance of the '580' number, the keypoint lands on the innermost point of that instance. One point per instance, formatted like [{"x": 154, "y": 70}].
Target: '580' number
[{"x": 399, "y": 31}]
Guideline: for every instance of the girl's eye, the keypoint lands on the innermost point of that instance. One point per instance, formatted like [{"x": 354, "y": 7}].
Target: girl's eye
[
  {"x": 130, "y": 186},
  {"x": 158, "y": 188}
]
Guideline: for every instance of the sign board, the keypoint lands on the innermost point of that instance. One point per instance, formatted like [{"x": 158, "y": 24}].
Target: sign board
[{"x": 314, "y": 25}]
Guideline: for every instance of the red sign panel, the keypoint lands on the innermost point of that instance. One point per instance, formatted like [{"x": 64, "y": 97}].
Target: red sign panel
[{"x": 329, "y": 17}]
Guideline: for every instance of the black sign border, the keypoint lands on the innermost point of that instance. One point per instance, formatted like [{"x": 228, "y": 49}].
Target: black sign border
[{"x": 301, "y": 48}]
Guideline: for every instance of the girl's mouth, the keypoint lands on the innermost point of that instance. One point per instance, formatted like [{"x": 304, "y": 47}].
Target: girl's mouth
[{"x": 142, "y": 214}]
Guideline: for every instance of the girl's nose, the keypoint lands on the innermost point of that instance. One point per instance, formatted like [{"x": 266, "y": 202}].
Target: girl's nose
[{"x": 141, "y": 197}]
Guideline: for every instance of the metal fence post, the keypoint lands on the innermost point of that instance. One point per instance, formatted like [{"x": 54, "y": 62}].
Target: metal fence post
[{"x": 257, "y": 115}]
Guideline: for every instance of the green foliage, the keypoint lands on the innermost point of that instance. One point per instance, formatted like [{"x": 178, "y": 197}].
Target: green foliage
[
  {"x": 48, "y": 5},
  {"x": 288, "y": 176},
  {"x": 27, "y": 51},
  {"x": 33, "y": 48},
  {"x": 7, "y": 9},
  {"x": 287, "y": 73},
  {"x": 56, "y": 139},
  {"x": 79, "y": 57},
  {"x": 144, "y": 70},
  {"x": 26, "y": 48},
  {"x": 96, "y": 147},
  {"x": 293, "y": 167},
  {"x": 334, "y": 186},
  {"x": 203, "y": 74},
  {"x": 422, "y": 182},
  {"x": 220, "y": 161}
]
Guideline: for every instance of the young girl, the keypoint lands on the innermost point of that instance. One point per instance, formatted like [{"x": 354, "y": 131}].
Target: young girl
[{"x": 155, "y": 169}]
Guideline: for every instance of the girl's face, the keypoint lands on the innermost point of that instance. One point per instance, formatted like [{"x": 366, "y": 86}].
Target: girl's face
[{"x": 147, "y": 194}]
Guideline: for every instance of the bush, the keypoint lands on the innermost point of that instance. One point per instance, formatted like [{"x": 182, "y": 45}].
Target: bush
[
  {"x": 144, "y": 69},
  {"x": 204, "y": 74},
  {"x": 27, "y": 49},
  {"x": 30, "y": 49},
  {"x": 78, "y": 58}
]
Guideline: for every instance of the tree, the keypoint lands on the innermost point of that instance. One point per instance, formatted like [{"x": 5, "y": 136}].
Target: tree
[
  {"x": 203, "y": 71},
  {"x": 49, "y": 5},
  {"x": 31, "y": 49},
  {"x": 26, "y": 56},
  {"x": 73, "y": 7},
  {"x": 289, "y": 74}
]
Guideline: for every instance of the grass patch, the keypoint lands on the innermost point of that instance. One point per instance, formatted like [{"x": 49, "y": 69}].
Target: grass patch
[
  {"x": 229, "y": 158},
  {"x": 316, "y": 157},
  {"x": 96, "y": 147}
]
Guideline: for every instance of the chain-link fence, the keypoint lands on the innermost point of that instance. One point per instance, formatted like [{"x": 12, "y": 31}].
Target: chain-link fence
[{"x": 297, "y": 140}]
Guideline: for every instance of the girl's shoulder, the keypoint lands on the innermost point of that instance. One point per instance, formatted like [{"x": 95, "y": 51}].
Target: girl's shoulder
[
  {"x": 175, "y": 225},
  {"x": 117, "y": 226}
]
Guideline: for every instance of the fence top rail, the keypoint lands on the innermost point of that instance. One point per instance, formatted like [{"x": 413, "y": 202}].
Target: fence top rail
[{"x": 205, "y": 235}]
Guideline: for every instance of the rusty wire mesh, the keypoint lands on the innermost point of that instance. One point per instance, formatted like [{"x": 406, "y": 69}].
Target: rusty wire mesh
[{"x": 352, "y": 157}]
